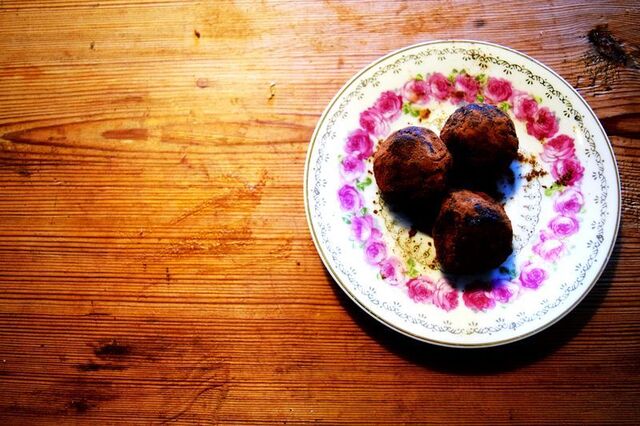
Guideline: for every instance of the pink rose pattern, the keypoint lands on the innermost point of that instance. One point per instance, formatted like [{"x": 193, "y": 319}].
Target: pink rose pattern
[
  {"x": 498, "y": 90},
  {"x": 569, "y": 202},
  {"x": 559, "y": 148},
  {"x": 359, "y": 143},
  {"x": 481, "y": 296},
  {"x": 563, "y": 226},
  {"x": 478, "y": 296},
  {"x": 532, "y": 276},
  {"x": 389, "y": 105},
  {"x": 543, "y": 124},
  {"x": 439, "y": 86},
  {"x": 567, "y": 171},
  {"x": 421, "y": 289},
  {"x": 548, "y": 247},
  {"x": 558, "y": 152},
  {"x": 445, "y": 297},
  {"x": 374, "y": 122},
  {"x": 391, "y": 270},
  {"x": 362, "y": 227},
  {"x": 352, "y": 167},
  {"x": 375, "y": 251},
  {"x": 416, "y": 91},
  {"x": 350, "y": 199},
  {"x": 465, "y": 89},
  {"x": 503, "y": 291},
  {"x": 524, "y": 106}
]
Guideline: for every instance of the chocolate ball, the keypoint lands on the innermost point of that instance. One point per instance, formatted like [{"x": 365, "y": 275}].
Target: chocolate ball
[
  {"x": 412, "y": 165},
  {"x": 472, "y": 233},
  {"x": 482, "y": 140}
]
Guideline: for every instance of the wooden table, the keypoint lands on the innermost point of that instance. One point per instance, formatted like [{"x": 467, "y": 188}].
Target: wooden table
[{"x": 155, "y": 260}]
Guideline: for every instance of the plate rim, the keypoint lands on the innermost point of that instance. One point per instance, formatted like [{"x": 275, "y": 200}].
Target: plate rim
[{"x": 342, "y": 286}]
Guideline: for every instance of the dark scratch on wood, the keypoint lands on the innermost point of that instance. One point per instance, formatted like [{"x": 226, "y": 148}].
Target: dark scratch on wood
[
  {"x": 92, "y": 366},
  {"x": 112, "y": 349}
]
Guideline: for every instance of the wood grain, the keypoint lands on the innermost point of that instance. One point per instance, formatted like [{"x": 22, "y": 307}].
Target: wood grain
[{"x": 155, "y": 262}]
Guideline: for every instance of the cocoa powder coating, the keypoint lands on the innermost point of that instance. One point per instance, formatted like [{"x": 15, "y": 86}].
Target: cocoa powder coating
[
  {"x": 472, "y": 233},
  {"x": 412, "y": 165}
]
